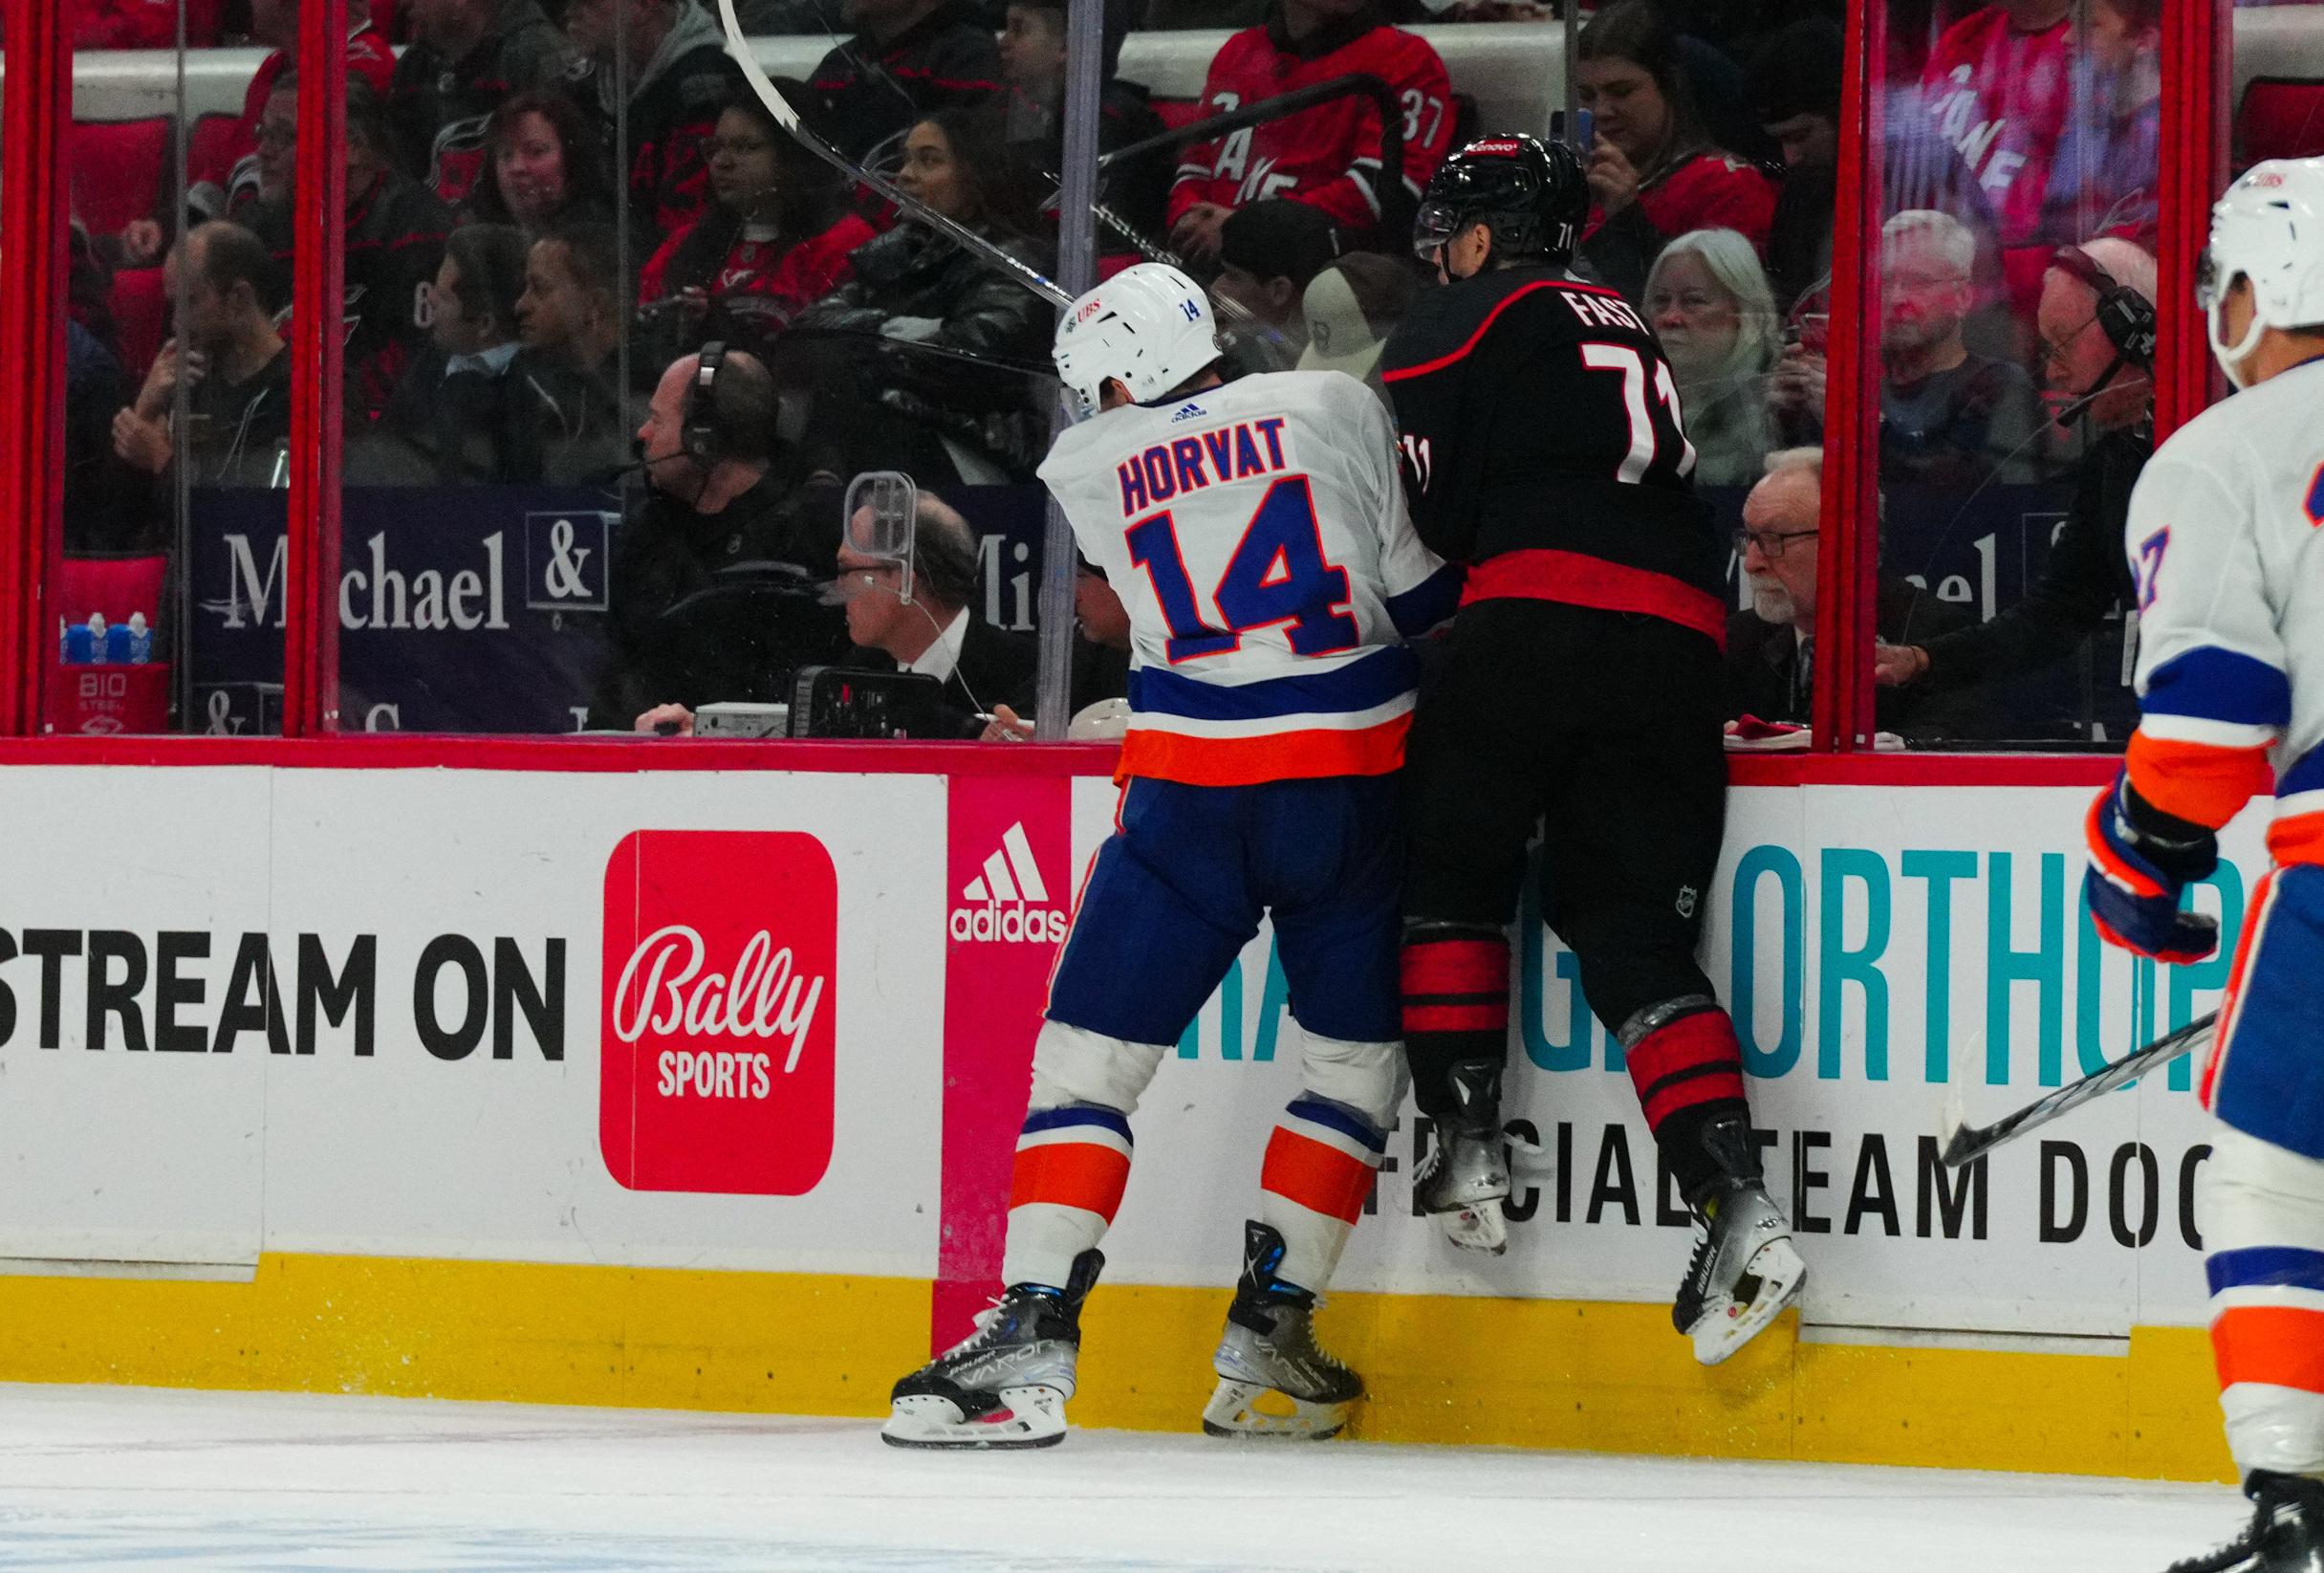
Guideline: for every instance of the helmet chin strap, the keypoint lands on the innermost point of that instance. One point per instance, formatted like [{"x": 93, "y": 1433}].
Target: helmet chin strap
[{"x": 2229, "y": 358}]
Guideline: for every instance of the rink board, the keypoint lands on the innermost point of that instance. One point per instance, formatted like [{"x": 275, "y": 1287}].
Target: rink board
[{"x": 698, "y": 1087}]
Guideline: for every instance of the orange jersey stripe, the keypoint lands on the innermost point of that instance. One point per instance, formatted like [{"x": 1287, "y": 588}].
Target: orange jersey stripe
[
  {"x": 1078, "y": 1175},
  {"x": 1277, "y": 757},
  {"x": 2198, "y": 781},
  {"x": 2282, "y": 1345},
  {"x": 2298, "y": 837},
  {"x": 1320, "y": 1178}
]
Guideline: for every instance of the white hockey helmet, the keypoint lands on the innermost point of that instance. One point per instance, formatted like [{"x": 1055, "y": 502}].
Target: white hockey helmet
[
  {"x": 1149, "y": 325},
  {"x": 2269, "y": 228}
]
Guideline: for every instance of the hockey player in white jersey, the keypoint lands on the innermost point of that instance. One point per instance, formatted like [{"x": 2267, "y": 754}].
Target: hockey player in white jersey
[
  {"x": 2224, "y": 538},
  {"x": 1258, "y": 535}
]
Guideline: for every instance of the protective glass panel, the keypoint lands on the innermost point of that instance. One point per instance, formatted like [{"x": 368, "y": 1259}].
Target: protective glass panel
[
  {"x": 164, "y": 581},
  {"x": 554, "y": 520},
  {"x": 2277, "y": 82},
  {"x": 2015, "y": 285}
]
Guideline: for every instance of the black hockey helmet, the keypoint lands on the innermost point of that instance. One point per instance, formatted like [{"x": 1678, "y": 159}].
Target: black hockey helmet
[{"x": 1532, "y": 194}]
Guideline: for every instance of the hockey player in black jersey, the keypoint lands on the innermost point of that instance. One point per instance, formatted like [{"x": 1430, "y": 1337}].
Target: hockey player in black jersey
[{"x": 1543, "y": 445}]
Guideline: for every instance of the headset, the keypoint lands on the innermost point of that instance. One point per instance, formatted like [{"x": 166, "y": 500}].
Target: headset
[
  {"x": 2125, "y": 316},
  {"x": 706, "y": 431}
]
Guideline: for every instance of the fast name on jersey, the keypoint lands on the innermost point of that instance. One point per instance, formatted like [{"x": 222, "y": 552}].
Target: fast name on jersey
[
  {"x": 1605, "y": 311},
  {"x": 1200, "y": 459}
]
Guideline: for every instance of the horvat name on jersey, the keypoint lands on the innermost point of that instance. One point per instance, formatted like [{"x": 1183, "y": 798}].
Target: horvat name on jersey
[{"x": 1191, "y": 462}]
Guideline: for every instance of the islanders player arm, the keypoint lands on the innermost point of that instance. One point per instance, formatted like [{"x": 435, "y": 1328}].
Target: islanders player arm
[{"x": 2214, "y": 698}]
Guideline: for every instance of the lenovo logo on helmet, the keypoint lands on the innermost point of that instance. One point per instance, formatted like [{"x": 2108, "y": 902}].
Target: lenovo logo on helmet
[
  {"x": 1503, "y": 147},
  {"x": 1008, "y": 902}
]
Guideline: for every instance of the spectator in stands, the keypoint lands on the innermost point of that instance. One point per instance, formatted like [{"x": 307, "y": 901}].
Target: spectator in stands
[
  {"x": 2103, "y": 179},
  {"x": 1033, "y": 65},
  {"x": 468, "y": 407},
  {"x": 1795, "y": 87},
  {"x": 569, "y": 319},
  {"x": 395, "y": 230},
  {"x": 1652, "y": 171},
  {"x": 1351, "y": 308},
  {"x": 231, "y": 163},
  {"x": 909, "y": 59},
  {"x": 701, "y": 514},
  {"x": 1708, "y": 304},
  {"x": 1269, "y": 254},
  {"x": 1328, "y": 156},
  {"x": 2088, "y": 575},
  {"x": 103, "y": 498},
  {"x": 233, "y": 361},
  {"x": 1771, "y": 646},
  {"x": 775, "y": 238},
  {"x": 468, "y": 55},
  {"x": 1948, "y": 415},
  {"x": 1999, "y": 89},
  {"x": 939, "y": 633},
  {"x": 141, "y": 24},
  {"x": 543, "y": 168},
  {"x": 661, "y": 75},
  {"x": 883, "y": 403}
]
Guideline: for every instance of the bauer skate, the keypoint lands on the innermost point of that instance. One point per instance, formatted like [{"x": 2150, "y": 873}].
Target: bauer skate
[
  {"x": 1275, "y": 1379},
  {"x": 1006, "y": 1385},
  {"x": 2286, "y": 1534},
  {"x": 1744, "y": 1272},
  {"x": 1466, "y": 1176}
]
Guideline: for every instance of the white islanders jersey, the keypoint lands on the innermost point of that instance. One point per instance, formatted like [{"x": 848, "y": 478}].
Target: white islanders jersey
[
  {"x": 2224, "y": 538},
  {"x": 1258, "y": 535}
]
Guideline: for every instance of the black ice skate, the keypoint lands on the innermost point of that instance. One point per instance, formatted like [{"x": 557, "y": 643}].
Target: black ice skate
[
  {"x": 2286, "y": 1534},
  {"x": 1466, "y": 1176},
  {"x": 1004, "y": 1385},
  {"x": 1274, "y": 1379},
  {"x": 1745, "y": 1271}
]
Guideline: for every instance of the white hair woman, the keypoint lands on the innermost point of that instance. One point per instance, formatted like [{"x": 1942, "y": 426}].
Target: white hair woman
[{"x": 1709, "y": 304}]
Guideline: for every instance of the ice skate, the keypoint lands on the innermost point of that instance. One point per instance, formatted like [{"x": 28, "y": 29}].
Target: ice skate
[
  {"x": 1275, "y": 1379},
  {"x": 1466, "y": 1176},
  {"x": 1744, "y": 1272},
  {"x": 2286, "y": 1534},
  {"x": 1006, "y": 1385}
]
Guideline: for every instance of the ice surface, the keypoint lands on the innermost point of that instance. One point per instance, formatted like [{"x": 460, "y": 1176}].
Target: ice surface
[{"x": 124, "y": 1478}]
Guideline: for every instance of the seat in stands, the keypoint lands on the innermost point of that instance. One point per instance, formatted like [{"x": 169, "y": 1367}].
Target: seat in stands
[
  {"x": 117, "y": 171},
  {"x": 141, "y": 314},
  {"x": 2280, "y": 117}
]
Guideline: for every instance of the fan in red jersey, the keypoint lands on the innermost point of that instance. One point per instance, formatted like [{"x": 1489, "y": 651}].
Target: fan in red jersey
[
  {"x": 274, "y": 23},
  {"x": 1652, "y": 171},
  {"x": 772, "y": 239},
  {"x": 1328, "y": 154}
]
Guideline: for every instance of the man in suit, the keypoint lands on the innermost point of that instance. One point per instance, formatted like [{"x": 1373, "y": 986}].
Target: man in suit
[
  {"x": 938, "y": 632},
  {"x": 1771, "y": 646}
]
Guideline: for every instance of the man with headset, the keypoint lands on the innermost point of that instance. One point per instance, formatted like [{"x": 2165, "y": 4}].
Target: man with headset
[
  {"x": 2098, "y": 330},
  {"x": 716, "y": 499}
]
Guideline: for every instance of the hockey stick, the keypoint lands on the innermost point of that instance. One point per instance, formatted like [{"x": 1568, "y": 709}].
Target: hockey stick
[
  {"x": 1964, "y": 1141},
  {"x": 788, "y": 119}
]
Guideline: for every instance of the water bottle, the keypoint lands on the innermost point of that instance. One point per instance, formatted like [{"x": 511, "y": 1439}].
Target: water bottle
[
  {"x": 139, "y": 641},
  {"x": 116, "y": 644},
  {"x": 78, "y": 648},
  {"x": 100, "y": 647}
]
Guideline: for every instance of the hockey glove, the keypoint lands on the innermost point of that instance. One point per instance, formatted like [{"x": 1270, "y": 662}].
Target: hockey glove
[{"x": 2140, "y": 860}]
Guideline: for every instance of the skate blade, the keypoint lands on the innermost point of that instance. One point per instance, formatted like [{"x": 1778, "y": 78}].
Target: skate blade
[
  {"x": 1029, "y": 1418},
  {"x": 1775, "y": 1276},
  {"x": 1476, "y": 1227},
  {"x": 1247, "y": 1409}
]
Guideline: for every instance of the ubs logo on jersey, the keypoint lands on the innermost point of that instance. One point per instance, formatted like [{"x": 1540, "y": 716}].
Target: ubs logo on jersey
[
  {"x": 719, "y": 1011},
  {"x": 1008, "y": 900}
]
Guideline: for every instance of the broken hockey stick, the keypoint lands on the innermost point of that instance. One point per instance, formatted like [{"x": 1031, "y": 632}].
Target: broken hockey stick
[
  {"x": 788, "y": 117},
  {"x": 1964, "y": 1142}
]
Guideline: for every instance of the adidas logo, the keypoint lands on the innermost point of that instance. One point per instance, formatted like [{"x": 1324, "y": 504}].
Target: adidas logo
[
  {"x": 1187, "y": 412},
  {"x": 1009, "y": 900}
]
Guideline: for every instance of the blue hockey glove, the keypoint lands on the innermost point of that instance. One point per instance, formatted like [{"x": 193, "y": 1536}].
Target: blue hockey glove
[{"x": 2140, "y": 860}]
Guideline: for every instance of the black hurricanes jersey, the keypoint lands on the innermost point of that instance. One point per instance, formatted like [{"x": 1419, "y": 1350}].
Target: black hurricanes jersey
[{"x": 1542, "y": 443}]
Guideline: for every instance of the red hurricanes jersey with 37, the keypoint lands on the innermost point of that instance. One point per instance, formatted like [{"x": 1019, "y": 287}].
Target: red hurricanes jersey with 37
[{"x": 1327, "y": 156}]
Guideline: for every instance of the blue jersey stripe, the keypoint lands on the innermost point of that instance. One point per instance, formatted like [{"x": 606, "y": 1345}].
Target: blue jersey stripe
[
  {"x": 1079, "y": 1114},
  {"x": 2216, "y": 685},
  {"x": 1331, "y": 1117},
  {"x": 1359, "y": 686},
  {"x": 2283, "y": 1265},
  {"x": 2306, "y": 776},
  {"x": 1429, "y": 602}
]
